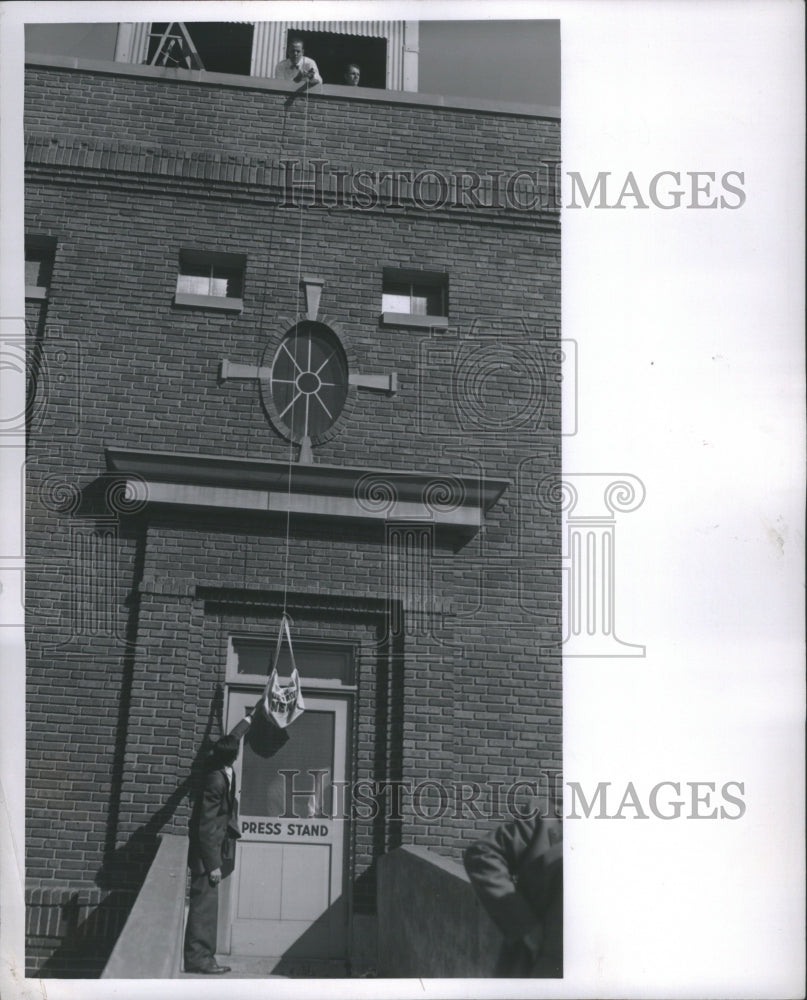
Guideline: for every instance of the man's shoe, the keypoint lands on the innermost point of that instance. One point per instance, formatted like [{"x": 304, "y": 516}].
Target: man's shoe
[{"x": 214, "y": 969}]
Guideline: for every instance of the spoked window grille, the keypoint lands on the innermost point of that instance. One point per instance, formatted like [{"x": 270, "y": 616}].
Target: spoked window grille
[{"x": 309, "y": 381}]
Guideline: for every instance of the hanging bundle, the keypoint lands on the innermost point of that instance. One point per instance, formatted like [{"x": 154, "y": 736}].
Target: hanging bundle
[{"x": 282, "y": 703}]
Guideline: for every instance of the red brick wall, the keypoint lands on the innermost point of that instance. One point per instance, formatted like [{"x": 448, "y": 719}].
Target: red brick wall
[{"x": 123, "y": 672}]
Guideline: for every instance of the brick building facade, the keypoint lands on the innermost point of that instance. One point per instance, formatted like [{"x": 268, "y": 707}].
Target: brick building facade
[{"x": 422, "y": 566}]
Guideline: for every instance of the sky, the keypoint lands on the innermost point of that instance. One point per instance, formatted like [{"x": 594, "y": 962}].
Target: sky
[{"x": 498, "y": 60}]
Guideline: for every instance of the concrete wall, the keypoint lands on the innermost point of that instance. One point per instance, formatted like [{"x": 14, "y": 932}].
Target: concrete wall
[
  {"x": 430, "y": 923},
  {"x": 150, "y": 945}
]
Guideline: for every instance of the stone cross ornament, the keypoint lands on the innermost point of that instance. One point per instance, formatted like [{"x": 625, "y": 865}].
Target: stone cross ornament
[{"x": 305, "y": 380}]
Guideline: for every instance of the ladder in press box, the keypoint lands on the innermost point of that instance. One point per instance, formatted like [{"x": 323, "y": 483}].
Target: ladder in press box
[{"x": 175, "y": 48}]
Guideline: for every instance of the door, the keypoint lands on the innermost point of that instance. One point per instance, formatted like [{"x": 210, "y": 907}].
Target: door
[{"x": 286, "y": 893}]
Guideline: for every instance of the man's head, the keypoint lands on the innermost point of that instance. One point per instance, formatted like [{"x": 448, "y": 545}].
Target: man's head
[
  {"x": 225, "y": 751},
  {"x": 296, "y": 51},
  {"x": 352, "y": 74}
]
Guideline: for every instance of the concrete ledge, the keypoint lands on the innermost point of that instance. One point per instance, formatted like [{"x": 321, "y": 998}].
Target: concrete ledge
[
  {"x": 150, "y": 944},
  {"x": 326, "y": 90},
  {"x": 209, "y": 302},
  {"x": 430, "y": 923},
  {"x": 412, "y": 319}
]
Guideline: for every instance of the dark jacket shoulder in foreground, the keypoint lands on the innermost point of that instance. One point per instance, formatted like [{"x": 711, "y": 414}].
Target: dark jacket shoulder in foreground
[{"x": 517, "y": 872}]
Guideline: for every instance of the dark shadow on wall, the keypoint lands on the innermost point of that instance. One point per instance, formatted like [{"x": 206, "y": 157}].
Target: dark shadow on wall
[
  {"x": 304, "y": 958},
  {"x": 387, "y": 823},
  {"x": 36, "y": 382},
  {"x": 127, "y": 865},
  {"x": 86, "y": 944},
  {"x": 122, "y": 723}
]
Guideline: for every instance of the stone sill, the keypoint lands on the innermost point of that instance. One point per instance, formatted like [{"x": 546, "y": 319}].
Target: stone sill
[
  {"x": 209, "y": 302},
  {"x": 409, "y": 319},
  {"x": 35, "y": 292}
]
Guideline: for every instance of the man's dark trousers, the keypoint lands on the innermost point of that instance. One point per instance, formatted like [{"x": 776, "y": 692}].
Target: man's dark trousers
[
  {"x": 202, "y": 927},
  {"x": 212, "y": 834}
]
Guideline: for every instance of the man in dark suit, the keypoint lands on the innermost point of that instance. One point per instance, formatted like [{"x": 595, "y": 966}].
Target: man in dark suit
[
  {"x": 211, "y": 853},
  {"x": 517, "y": 873}
]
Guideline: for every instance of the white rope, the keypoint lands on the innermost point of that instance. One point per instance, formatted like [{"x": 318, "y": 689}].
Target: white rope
[{"x": 285, "y": 618}]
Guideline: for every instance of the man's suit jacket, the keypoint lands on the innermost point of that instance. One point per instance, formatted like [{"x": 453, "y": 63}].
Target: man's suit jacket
[
  {"x": 214, "y": 826},
  {"x": 517, "y": 873}
]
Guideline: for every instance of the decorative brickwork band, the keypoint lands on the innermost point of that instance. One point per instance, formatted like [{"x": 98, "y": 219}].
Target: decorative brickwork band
[
  {"x": 293, "y": 183},
  {"x": 589, "y": 503}
]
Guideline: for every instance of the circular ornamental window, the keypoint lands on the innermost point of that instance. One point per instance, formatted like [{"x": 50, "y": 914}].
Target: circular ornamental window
[{"x": 309, "y": 381}]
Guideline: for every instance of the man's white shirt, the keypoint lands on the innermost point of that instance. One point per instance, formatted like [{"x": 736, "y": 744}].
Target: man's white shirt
[{"x": 286, "y": 70}]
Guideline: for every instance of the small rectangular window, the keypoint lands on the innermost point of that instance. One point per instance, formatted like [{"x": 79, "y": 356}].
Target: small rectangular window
[
  {"x": 316, "y": 661},
  {"x": 414, "y": 298},
  {"x": 210, "y": 280},
  {"x": 39, "y": 254}
]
